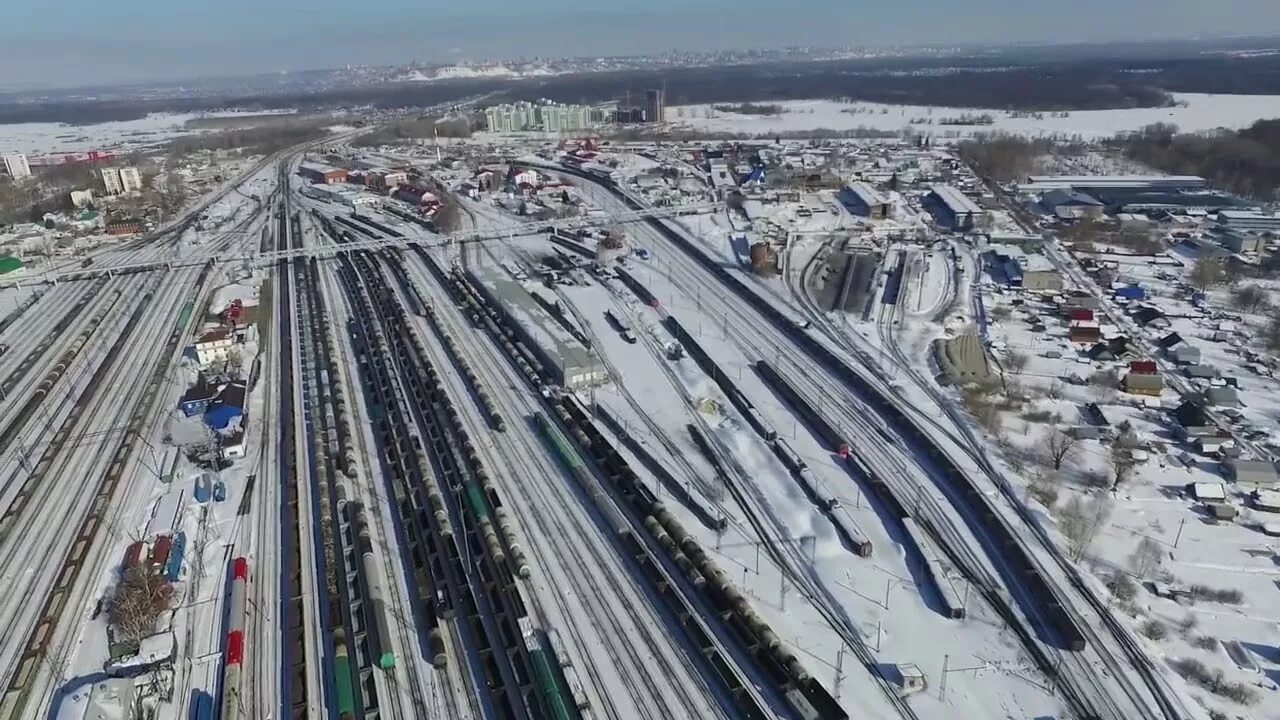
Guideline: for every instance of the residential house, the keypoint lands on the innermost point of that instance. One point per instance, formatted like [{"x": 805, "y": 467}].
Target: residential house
[
  {"x": 197, "y": 397},
  {"x": 1260, "y": 474},
  {"x": 213, "y": 346},
  {"x": 1117, "y": 348},
  {"x": 226, "y": 407},
  {"x": 1084, "y": 335},
  {"x": 1185, "y": 355},
  {"x": 1143, "y": 378},
  {"x": 1150, "y": 317},
  {"x": 1224, "y": 396}
]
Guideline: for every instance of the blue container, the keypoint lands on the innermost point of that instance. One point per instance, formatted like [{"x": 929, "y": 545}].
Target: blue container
[
  {"x": 203, "y": 489},
  {"x": 173, "y": 568}
]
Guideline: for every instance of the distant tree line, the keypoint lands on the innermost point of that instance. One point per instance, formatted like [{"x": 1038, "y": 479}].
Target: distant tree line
[
  {"x": 748, "y": 108},
  {"x": 1246, "y": 162},
  {"x": 255, "y": 140},
  {"x": 415, "y": 128}
]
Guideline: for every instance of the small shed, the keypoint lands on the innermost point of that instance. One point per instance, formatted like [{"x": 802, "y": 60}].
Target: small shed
[
  {"x": 1201, "y": 372},
  {"x": 1185, "y": 354},
  {"x": 1208, "y": 492},
  {"x": 1221, "y": 511},
  {"x": 909, "y": 679}
]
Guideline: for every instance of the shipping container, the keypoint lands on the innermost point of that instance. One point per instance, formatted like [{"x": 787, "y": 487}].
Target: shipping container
[
  {"x": 160, "y": 551},
  {"x": 203, "y": 489},
  {"x": 173, "y": 568},
  {"x": 133, "y": 555}
]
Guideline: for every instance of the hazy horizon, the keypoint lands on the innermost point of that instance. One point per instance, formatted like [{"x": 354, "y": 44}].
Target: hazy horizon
[{"x": 80, "y": 43}]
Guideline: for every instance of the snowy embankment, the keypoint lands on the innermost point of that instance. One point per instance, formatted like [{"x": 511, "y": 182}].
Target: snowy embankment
[{"x": 1194, "y": 113}]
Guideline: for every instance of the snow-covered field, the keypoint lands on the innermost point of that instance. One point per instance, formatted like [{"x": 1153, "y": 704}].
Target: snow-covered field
[
  {"x": 1195, "y": 113},
  {"x": 38, "y": 139}
]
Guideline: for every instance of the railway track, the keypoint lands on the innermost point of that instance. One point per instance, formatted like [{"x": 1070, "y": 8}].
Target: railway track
[
  {"x": 549, "y": 535},
  {"x": 36, "y": 657},
  {"x": 295, "y": 692}
]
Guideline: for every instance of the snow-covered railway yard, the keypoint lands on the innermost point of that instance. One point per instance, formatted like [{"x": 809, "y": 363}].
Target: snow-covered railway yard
[{"x": 587, "y": 433}]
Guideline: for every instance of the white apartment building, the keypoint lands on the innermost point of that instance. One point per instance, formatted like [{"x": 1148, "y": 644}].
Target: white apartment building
[
  {"x": 16, "y": 166},
  {"x": 130, "y": 180},
  {"x": 545, "y": 115},
  {"x": 111, "y": 181}
]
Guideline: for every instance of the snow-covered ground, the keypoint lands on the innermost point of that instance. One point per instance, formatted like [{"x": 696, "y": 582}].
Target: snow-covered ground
[
  {"x": 1195, "y": 113},
  {"x": 40, "y": 139}
]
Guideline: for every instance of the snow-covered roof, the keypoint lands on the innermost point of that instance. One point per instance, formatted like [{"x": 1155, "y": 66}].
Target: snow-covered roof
[
  {"x": 1209, "y": 491},
  {"x": 956, "y": 201}
]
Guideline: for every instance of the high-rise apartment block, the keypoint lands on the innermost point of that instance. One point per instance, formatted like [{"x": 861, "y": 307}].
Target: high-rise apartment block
[
  {"x": 543, "y": 115},
  {"x": 111, "y": 181},
  {"x": 130, "y": 180},
  {"x": 16, "y": 166},
  {"x": 654, "y": 106}
]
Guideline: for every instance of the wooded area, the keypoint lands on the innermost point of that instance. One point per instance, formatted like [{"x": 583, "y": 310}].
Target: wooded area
[{"x": 1246, "y": 162}]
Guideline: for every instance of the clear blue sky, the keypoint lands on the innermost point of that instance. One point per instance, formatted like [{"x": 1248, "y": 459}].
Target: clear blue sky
[{"x": 91, "y": 41}]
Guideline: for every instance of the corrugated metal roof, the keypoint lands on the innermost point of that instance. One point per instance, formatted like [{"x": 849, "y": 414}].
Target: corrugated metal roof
[
  {"x": 956, "y": 201},
  {"x": 867, "y": 194}
]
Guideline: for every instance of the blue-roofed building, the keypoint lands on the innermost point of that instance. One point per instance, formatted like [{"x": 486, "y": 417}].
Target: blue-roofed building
[
  {"x": 197, "y": 398},
  {"x": 227, "y": 407},
  {"x": 954, "y": 209},
  {"x": 1132, "y": 292},
  {"x": 862, "y": 199}
]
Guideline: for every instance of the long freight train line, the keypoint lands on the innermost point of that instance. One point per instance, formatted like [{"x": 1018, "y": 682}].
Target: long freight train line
[
  {"x": 667, "y": 555},
  {"x": 606, "y": 605},
  {"x": 491, "y": 603},
  {"x": 424, "y": 537},
  {"x": 354, "y": 614},
  {"x": 498, "y": 604},
  {"x": 296, "y": 691},
  {"x": 21, "y": 684}
]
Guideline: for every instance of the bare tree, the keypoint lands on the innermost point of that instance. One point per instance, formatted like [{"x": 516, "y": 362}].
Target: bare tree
[
  {"x": 1044, "y": 486},
  {"x": 1017, "y": 362},
  {"x": 1058, "y": 448},
  {"x": 1250, "y": 298},
  {"x": 1145, "y": 559},
  {"x": 1081, "y": 521},
  {"x": 447, "y": 218},
  {"x": 140, "y": 599},
  {"x": 1207, "y": 273},
  {"x": 1122, "y": 464}
]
